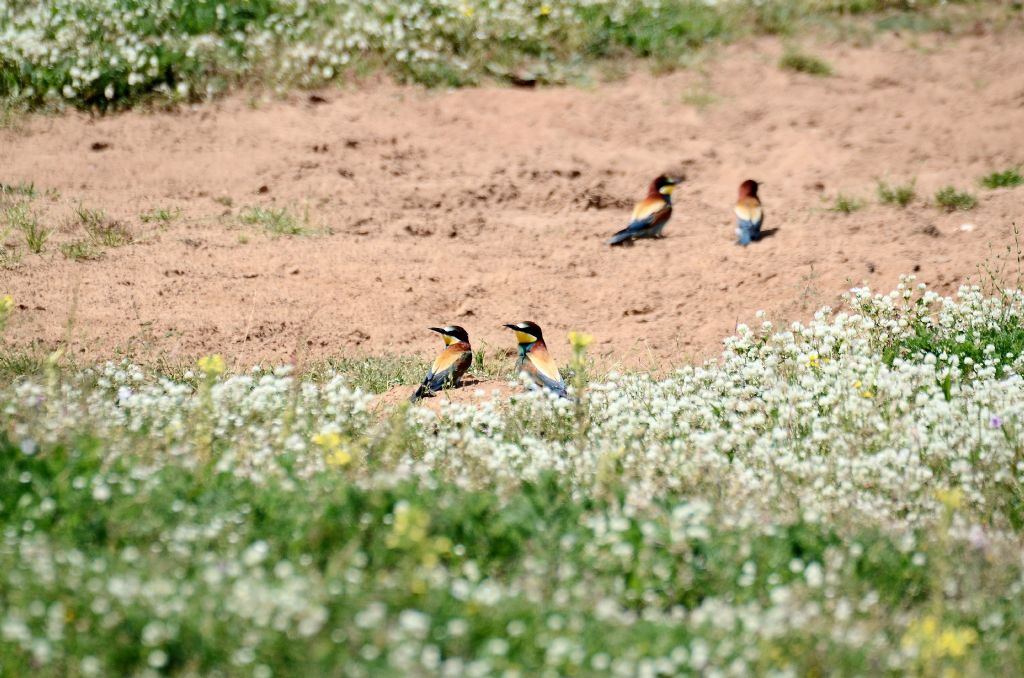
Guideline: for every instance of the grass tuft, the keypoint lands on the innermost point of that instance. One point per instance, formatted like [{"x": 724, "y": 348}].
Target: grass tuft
[
  {"x": 274, "y": 221},
  {"x": 80, "y": 250},
  {"x": 846, "y": 204},
  {"x": 103, "y": 230},
  {"x": 1010, "y": 178},
  {"x": 21, "y": 218},
  {"x": 799, "y": 62},
  {"x": 951, "y": 200},
  {"x": 901, "y": 195},
  {"x": 160, "y": 215},
  {"x": 22, "y": 189},
  {"x": 700, "y": 97}
]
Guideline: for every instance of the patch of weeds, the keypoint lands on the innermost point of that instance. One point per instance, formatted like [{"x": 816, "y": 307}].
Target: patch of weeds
[
  {"x": 375, "y": 374},
  {"x": 22, "y": 189},
  {"x": 914, "y": 22},
  {"x": 80, "y": 250},
  {"x": 700, "y": 97},
  {"x": 951, "y": 200},
  {"x": 1007, "y": 339},
  {"x": 224, "y": 200},
  {"x": 1006, "y": 179},
  {"x": 160, "y": 215},
  {"x": 103, "y": 230},
  {"x": 667, "y": 33},
  {"x": 9, "y": 256},
  {"x": 901, "y": 195},
  {"x": 17, "y": 364},
  {"x": 799, "y": 62},
  {"x": 21, "y": 219},
  {"x": 846, "y": 204},
  {"x": 274, "y": 221}
]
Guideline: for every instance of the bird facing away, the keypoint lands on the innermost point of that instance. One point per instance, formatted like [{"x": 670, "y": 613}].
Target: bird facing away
[
  {"x": 534, "y": 359},
  {"x": 749, "y": 215},
  {"x": 650, "y": 214},
  {"x": 450, "y": 365}
]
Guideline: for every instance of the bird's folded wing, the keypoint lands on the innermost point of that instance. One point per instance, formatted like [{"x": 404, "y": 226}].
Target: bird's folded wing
[
  {"x": 649, "y": 212},
  {"x": 446, "y": 363},
  {"x": 543, "y": 366}
]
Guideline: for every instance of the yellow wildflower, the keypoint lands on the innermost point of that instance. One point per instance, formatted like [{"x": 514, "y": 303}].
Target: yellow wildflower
[
  {"x": 857, "y": 384},
  {"x": 468, "y": 11},
  {"x": 954, "y": 642},
  {"x": 812, "y": 361},
  {"x": 211, "y": 365},
  {"x": 934, "y": 641},
  {"x": 6, "y": 306},
  {"x": 339, "y": 458},
  {"x": 580, "y": 340},
  {"x": 952, "y": 499},
  {"x": 545, "y": 10},
  {"x": 331, "y": 442},
  {"x": 868, "y": 393}
]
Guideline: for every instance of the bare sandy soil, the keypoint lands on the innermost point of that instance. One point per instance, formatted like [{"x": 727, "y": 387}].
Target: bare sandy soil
[{"x": 480, "y": 207}]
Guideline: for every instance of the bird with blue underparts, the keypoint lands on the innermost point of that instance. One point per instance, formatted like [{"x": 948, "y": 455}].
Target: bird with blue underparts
[
  {"x": 448, "y": 368},
  {"x": 749, "y": 215},
  {"x": 534, "y": 360},
  {"x": 650, "y": 214}
]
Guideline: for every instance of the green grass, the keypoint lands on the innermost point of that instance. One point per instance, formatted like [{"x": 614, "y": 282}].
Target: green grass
[
  {"x": 160, "y": 215},
  {"x": 80, "y": 250},
  {"x": 21, "y": 218},
  {"x": 375, "y": 374},
  {"x": 1010, "y": 178},
  {"x": 278, "y": 221},
  {"x": 17, "y": 364},
  {"x": 951, "y": 200},
  {"x": 381, "y": 541},
  {"x": 914, "y": 22},
  {"x": 194, "y": 50},
  {"x": 700, "y": 97},
  {"x": 1006, "y": 340},
  {"x": 24, "y": 189},
  {"x": 799, "y": 62},
  {"x": 899, "y": 194},
  {"x": 102, "y": 230},
  {"x": 846, "y": 204}
]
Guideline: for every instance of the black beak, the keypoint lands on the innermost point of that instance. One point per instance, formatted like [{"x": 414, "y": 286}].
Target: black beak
[
  {"x": 439, "y": 330},
  {"x": 512, "y": 327}
]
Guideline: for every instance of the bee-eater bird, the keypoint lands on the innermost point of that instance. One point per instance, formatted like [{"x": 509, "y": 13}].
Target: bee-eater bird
[
  {"x": 650, "y": 214},
  {"x": 450, "y": 365},
  {"x": 749, "y": 215},
  {"x": 534, "y": 359}
]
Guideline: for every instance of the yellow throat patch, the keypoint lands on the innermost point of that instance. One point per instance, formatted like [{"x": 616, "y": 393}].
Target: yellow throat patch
[{"x": 524, "y": 338}]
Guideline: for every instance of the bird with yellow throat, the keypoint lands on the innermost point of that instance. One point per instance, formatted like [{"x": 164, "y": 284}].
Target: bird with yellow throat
[
  {"x": 534, "y": 360},
  {"x": 448, "y": 368},
  {"x": 650, "y": 214}
]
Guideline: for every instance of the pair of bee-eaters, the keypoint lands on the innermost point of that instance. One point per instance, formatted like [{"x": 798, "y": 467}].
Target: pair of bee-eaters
[
  {"x": 652, "y": 213},
  {"x": 534, "y": 360}
]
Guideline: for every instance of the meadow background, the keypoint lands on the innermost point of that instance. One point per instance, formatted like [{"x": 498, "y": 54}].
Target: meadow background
[
  {"x": 116, "y": 53},
  {"x": 207, "y": 466}
]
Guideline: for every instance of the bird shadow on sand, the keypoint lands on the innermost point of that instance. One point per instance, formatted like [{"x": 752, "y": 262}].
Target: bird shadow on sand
[{"x": 767, "y": 233}]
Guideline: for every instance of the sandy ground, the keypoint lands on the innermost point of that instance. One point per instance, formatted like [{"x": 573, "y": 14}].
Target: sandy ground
[{"x": 480, "y": 207}]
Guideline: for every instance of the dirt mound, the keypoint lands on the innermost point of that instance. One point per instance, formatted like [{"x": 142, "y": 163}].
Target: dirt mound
[{"x": 486, "y": 206}]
